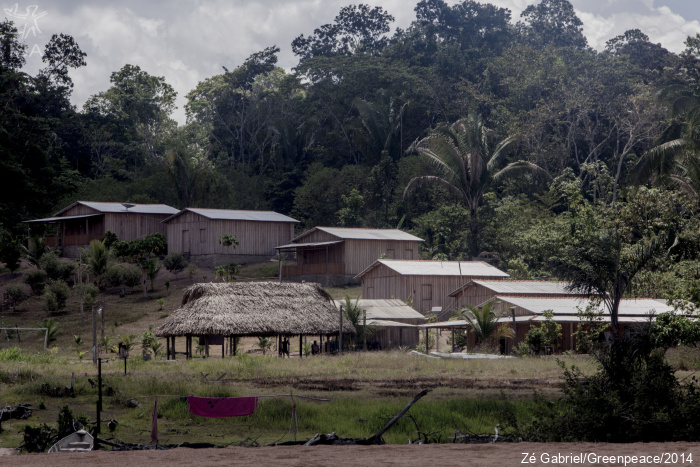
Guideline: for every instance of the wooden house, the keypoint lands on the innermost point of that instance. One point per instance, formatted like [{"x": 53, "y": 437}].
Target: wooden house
[
  {"x": 337, "y": 254},
  {"x": 525, "y": 312},
  {"x": 426, "y": 285},
  {"x": 83, "y": 221},
  {"x": 476, "y": 292},
  {"x": 396, "y": 323},
  {"x": 196, "y": 232}
]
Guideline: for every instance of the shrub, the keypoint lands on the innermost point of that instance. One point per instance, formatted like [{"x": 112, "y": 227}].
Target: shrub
[
  {"x": 114, "y": 275},
  {"x": 175, "y": 263},
  {"x": 36, "y": 279},
  {"x": 10, "y": 254},
  {"x": 132, "y": 275},
  {"x": 56, "y": 269},
  {"x": 88, "y": 293},
  {"x": 15, "y": 293},
  {"x": 109, "y": 239},
  {"x": 123, "y": 274},
  {"x": 56, "y": 296},
  {"x": 191, "y": 270},
  {"x": 546, "y": 335}
]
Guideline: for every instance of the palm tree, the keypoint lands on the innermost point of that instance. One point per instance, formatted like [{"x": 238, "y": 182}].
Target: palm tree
[
  {"x": 98, "y": 260},
  {"x": 484, "y": 322},
  {"x": 676, "y": 161},
  {"x": 358, "y": 318},
  {"x": 468, "y": 163}
]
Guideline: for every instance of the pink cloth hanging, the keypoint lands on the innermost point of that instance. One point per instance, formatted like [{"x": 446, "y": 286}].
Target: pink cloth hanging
[{"x": 218, "y": 407}]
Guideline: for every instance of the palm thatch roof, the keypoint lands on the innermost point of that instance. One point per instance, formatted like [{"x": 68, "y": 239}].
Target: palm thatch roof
[{"x": 254, "y": 309}]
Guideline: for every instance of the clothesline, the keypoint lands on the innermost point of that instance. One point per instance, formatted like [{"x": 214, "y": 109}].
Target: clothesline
[{"x": 270, "y": 395}]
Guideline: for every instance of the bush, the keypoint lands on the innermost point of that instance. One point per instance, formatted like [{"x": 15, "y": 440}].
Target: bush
[
  {"x": 109, "y": 239},
  {"x": 175, "y": 262},
  {"x": 56, "y": 269},
  {"x": 123, "y": 274},
  {"x": 546, "y": 335},
  {"x": 132, "y": 275},
  {"x": 88, "y": 293},
  {"x": 15, "y": 293},
  {"x": 10, "y": 254},
  {"x": 56, "y": 296},
  {"x": 36, "y": 279},
  {"x": 633, "y": 397},
  {"x": 114, "y": 275}
]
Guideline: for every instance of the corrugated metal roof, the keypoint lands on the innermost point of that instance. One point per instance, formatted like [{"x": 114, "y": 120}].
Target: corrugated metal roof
[
  {"x": 237, "y": 215},
  {"x": 571, "y": 306},
  {"x": 58, "y": 219},
  {"x": 294, "y": 246},
  {"x": 385, "y": 323},
  {"x": 458, "y": 323},
  {"x": 364, "y": 234},
  {"x": 527, "y": 287},
  {"x": 440, "y": 268},
  {"x": 118, "y": 207},
  {"x": 385, "y": 309}
]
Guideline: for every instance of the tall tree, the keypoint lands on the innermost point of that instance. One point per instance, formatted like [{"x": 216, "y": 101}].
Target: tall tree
[
  {"x": 356, "y": 29},
  {"x": 141, "y": 105},
  {"x": 468, "y": 161},
  {"x": 552, "y": 22}
]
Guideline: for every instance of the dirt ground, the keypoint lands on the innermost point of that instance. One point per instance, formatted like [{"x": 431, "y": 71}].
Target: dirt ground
[{"x": 500, "y": 454}]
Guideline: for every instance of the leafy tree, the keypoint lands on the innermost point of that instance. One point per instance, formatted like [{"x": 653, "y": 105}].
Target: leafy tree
[
  {"x": 357, "y": 29},
  {"x": 36, "y": 279},
  {"x": 175, "y": 262},
  {"x": 60, "y": 53},
  {"x": 151, "y": 267},
  {"x": 607, "y": 248},
  {"x": 552, "y": 22},
  {"x": 56, "y": 296},
  {"x": 12, "y": 50},
  {"x": 548, "y": 334},
  {"x": 443, "y": 232},
  {"x": 351, "y": 214},
  {"x": 109, "y": 239},
  {"x": 55, "y": 268},
  {"x": 10, "y": 253},
  {"x": 227, "y": 272},
  {"x": 141, "y": 104}
]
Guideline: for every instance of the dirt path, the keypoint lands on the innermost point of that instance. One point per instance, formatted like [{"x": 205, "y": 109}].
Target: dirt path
[{"x": 506, "y": 454}]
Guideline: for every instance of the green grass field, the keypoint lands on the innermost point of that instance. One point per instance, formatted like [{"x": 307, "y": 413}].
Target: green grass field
[{"x": 362, "y": 389}]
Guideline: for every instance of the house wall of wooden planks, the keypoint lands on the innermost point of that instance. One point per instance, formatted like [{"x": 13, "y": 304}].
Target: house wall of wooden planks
[
  {"x": 421, "y": 292},
  {"x": 197, "y": 235}
]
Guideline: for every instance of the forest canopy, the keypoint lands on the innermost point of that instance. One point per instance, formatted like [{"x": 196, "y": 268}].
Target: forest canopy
[{"x": 479, "y": 132}]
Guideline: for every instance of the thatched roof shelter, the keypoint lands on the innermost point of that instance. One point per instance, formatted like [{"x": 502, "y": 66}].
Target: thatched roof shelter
[{"x": 254, "y": 309}]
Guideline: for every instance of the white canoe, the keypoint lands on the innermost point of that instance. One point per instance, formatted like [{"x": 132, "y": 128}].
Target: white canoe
[{"x": 80, "y": 441}]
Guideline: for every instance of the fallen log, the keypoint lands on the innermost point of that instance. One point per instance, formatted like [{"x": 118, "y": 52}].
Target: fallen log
[{"x": 376, "y": 439}]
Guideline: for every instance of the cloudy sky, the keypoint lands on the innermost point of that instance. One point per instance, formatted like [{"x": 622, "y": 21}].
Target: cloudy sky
[{"x": 188, "y": 41}]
